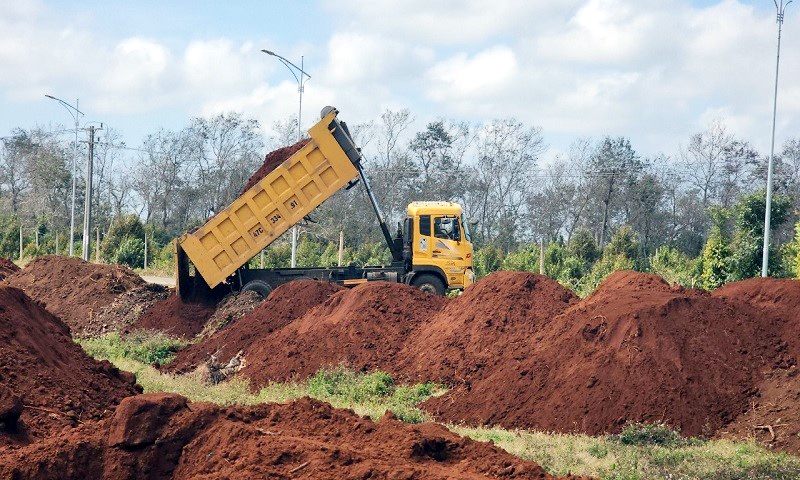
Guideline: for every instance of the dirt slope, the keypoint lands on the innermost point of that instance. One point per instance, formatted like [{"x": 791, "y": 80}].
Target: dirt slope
[
  {"x": 635, "y": 350},
  {"x": 162, "y": 436},
  {"x": 773, "y": 415},
  {"x": 55, "y": 382},
  {"x": 74, "y": 290},
  {"x": 286, "y": 303}
]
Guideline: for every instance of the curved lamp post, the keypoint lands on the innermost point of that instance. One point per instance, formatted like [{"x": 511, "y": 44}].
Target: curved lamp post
[
  {"x": 75, "y": 114},
  {"x": 301, "y": 81},
  {"x": 765, "y": 256}
]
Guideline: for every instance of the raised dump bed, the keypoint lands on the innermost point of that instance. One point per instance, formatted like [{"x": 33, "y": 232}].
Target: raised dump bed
[{"x": 273, "y": 205}]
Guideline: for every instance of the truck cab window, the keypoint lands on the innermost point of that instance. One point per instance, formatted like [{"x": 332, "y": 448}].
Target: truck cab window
[
  {"x": 425, "y": 225},
  {"x": 447, "y": 228}
]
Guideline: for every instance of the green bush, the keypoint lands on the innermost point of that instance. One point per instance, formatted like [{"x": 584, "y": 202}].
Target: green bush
[
  {"x": 525, "y": 259},
  {"x": 650, "y": 434},
  {"x": 487, "y": 260},
  {"x": 130, "y": 252},
  {"x": 124, "y": 227}
]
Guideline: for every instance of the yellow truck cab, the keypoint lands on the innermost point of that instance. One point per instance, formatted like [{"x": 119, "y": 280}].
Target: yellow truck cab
[{"x": 440, "y": 246}]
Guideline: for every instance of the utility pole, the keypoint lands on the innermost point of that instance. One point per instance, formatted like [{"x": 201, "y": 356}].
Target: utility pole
[
  {"x": 87, "y": 210},
  {"x": 765, "y": 256}
]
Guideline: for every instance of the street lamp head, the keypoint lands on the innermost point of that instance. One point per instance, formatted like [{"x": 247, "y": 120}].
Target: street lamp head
[
  {"x": 50, "y": 96},
  {"x": 268, "y": 52}
]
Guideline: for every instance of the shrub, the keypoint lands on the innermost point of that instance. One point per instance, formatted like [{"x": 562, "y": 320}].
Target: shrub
[
  {"x": 130, "y": 252},
  {"x": 650, "y": 434}
]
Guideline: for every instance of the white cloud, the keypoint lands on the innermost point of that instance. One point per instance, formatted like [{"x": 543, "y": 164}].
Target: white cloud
[
  {"x": 474, "y": 78},
  {"x": 359, "y": 57}
]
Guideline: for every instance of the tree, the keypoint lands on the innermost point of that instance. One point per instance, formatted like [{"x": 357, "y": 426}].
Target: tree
[
  {"x": 224, "y": 153},
  {"x": 502, "y": 180},
  {"x": 747, "y": 242},
  {"x": 161, "y": 181},
  {"x": 438, "y": 154},
  {"x": 617, "y": 168}
]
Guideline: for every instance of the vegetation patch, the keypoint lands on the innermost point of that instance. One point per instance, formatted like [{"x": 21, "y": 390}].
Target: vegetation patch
[{"x": 640, "y": 452}]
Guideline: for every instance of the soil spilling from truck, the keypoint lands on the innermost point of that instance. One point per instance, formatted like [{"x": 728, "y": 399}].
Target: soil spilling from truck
[
  {"x": 74, "y": 290},
  {"x": 165, "y": 436},
  {"x": 271, "y": 162},
  {"x": 47, "y": 383}
]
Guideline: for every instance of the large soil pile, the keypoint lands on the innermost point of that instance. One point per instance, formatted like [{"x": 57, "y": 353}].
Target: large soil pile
[
  {"x": 285, "y": 304},
  {"x": 773, "y": 416},
  {"x": 635, "y": 350},
  {"x": 364, "y": 328},
  {"x": 272, "y": 160},
  {"x": 46, "y": 377},
  {"x": 74, "y": 290},
  {"x": 163, "y": 436},
  {"x": 489, "y": 327},
  {"x": 521, "y": 351}
]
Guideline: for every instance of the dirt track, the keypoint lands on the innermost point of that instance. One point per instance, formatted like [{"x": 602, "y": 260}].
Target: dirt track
[{"x": 517, "y": 350}]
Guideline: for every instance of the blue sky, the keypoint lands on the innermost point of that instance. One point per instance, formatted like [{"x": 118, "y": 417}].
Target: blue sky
[{"x": 654, "y": 71}]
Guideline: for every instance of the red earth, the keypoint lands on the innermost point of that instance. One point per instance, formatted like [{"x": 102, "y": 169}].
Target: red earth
[
  {"x": 163, "y": 436},
  {"x": 520, "y": 351},
  {"x": 516, "y": 349},
  {"x": 7, "y": 267},
  {"x": 47, "y": 383},
  {"x": 74, "y": 290},
  {"x": 272, "y": 160},
  {"x": 175, "y": 317}
]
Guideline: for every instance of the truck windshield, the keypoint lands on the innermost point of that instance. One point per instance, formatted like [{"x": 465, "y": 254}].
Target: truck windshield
[{"x": 465, "y": 224}]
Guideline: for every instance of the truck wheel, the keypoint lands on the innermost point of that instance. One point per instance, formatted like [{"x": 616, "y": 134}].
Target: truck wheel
[
  {"x": 259, "y": 286},
  {"x": 428, "y": 283}
]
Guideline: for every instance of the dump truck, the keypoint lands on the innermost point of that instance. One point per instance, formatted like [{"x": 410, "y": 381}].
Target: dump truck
[{"x": 431, "y": 250}]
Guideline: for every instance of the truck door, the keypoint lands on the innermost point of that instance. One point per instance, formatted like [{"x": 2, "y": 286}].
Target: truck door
[{"x": 439, "y": 243}]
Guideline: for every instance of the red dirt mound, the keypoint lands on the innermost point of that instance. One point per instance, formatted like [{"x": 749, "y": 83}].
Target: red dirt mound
[
  {"x": 42, "y": 369},
  {"x": 272, "y": 160},
  {"x": 635, "y": 350},
  {"x": 286, "y": 303},
  {"x": 364, "y": 328},
  {"x": 773, "y": 416},
  {"x": 72, "y": 289},
  {"x": 485, "y": 328},
  {"x": 7, "y": 267},
  {"x": 175, "y": 317},
  {"x": 162, "y": 436}
]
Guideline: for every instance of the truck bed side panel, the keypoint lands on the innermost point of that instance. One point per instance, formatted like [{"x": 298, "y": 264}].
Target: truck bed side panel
[{"x": 272, "y": 206}]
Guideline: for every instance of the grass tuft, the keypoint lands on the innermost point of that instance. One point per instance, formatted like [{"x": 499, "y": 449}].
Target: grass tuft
[{"x": 151, "y": 348}]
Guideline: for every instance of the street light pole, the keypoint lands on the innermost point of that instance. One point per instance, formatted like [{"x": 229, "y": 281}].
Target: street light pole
[
  {"x": 765, "y": 256},
  {"x": 301, "y": 81},
  {"x": 75, "y": 115}
]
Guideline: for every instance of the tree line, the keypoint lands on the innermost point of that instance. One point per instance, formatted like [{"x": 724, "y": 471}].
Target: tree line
[{"x": 695, "y": 217}]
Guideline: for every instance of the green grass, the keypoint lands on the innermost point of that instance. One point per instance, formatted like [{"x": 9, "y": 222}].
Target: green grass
[
  {"x": 368, "y": 394},
  {"x": 643, "y": 452},
  {"x": 639, "y": 452},
  {"x": 142, "y": 346}
]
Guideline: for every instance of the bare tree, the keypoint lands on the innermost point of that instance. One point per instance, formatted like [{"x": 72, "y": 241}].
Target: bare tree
[{"x": 502, "y": 179}]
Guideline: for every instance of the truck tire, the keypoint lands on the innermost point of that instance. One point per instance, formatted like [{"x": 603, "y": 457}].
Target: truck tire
[
  {"x": 259, "y": 286},
  {"x": 428, "y": 283}
]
